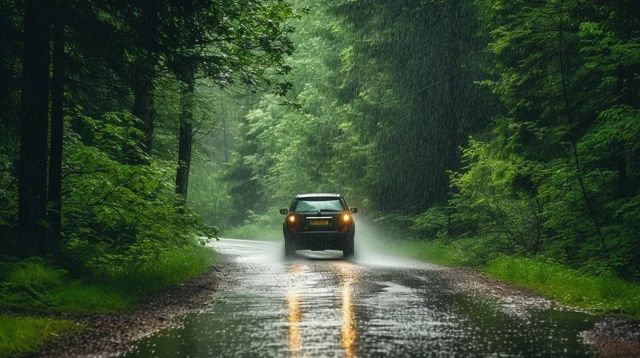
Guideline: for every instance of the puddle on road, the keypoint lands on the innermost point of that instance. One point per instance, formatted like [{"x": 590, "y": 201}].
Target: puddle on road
[{"x": 322, "y": 306}]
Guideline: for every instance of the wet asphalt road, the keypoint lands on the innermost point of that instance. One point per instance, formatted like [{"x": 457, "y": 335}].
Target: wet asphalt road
[{"x": 320, "y": 305}]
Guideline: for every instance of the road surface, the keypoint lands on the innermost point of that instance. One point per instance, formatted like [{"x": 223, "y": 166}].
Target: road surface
[{"x": 374, "y": 305}]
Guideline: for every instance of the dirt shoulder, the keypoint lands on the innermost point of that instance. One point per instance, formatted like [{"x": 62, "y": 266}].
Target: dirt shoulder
[
  {"x": 615, "y": 337},
  {"x": 111, "y": 335}
]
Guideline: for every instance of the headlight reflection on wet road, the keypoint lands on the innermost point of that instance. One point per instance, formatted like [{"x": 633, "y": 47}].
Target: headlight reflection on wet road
[
  {"x": 347, "y": 279},
  {"x": 348, "y": 331},
  {"x": 294, "y": 315},
  {"x": 293, "y": 318}
]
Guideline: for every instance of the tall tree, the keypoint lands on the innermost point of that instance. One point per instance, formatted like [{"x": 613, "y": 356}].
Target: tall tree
[
  {"x": 32, "y": 166},
  {"x": 147, "y": 34},
  {"x": 54, "y": 213},
  {"x": 185, "y": 136}
]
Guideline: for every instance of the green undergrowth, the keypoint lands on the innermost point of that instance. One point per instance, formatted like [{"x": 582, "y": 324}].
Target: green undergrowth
[
  {"x": 20, "y": 335},
  {"x": 604, "y": 294},
  {"x": 170, "y": 267},
  {"x": 463, "y": 252},
  {"x": 434, "y": 252}
]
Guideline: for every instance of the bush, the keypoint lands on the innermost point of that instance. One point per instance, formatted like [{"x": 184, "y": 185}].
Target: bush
[
  {"x": 147, "y": 267},
  {"x": 431, "y": 223},
  {"x": 31, "y": 280}
]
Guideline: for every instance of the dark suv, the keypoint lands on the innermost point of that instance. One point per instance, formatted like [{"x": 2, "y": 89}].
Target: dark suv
[{"x": 318, "y": 222}]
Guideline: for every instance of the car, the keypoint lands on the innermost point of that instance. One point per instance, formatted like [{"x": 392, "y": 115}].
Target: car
[{"x": 320, "y": 221}]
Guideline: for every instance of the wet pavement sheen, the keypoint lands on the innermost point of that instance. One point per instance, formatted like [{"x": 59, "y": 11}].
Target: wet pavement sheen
[{"x": 320, "y": 305}]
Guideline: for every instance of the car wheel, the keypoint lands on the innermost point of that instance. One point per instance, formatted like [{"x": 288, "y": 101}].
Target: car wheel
[
  {"x": 289, "y": 248},
  {"x": 348, "y": 249}
]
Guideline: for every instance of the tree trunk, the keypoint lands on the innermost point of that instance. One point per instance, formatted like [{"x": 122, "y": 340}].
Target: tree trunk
[
  {"x": 145, "y": 71},
  {"x": 32, "y": 165},
  {"x": 143, "y": 108},
  {"x": 450, "y": 125},
  {"x": 621, "y": 168},
  {"x": 57, "y": 125},
  {"x": 186, "y": 135}
]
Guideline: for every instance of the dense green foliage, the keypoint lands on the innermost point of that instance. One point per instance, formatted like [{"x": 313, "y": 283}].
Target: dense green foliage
[
  {"x": 362, "y": 104},
  {"x": 558, "y": 171}
]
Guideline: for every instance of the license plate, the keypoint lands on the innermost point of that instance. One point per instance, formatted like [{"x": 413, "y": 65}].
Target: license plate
[{"x": 319, "y": 222}]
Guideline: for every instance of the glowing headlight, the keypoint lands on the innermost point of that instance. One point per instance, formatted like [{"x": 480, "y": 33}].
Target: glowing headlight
[
  {"x": 291, "y": 219},
  {"x": 346, "y": 218}
]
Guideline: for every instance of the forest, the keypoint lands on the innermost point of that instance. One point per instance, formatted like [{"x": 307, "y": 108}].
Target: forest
[
  {"x": 131, "y": 131},
  {"x": 499, "y": 127}
]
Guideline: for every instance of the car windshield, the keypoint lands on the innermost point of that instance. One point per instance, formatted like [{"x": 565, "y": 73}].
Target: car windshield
[{"x": 318, "y": 205}]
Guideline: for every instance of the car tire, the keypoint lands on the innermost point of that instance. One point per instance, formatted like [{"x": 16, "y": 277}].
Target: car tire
[
  {"x": 289, "y": 248},
  {"x": 348, "y": 249}
]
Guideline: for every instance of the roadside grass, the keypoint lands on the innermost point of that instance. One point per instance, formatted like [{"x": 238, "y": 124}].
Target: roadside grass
[
  {"x": 35, "y": 285},
  {"x": 81, "y": 297},
  {"x": 430, "y": 251},
  {"x": 73, "y": 296},
  {"x": 568, "y": 286},
  {"x": 21, "y": 335},
  {"x": 168, "y": 268},
  {"x": 463, "y": 252}
]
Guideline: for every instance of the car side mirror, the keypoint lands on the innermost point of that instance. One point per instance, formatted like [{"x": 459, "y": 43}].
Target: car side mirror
[
  {"x": 284, "y": 211},
  {"x": 354, "y": 210}
]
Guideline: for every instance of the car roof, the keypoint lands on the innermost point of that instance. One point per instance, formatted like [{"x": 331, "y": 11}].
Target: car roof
[{"x": 318, "y": 195}]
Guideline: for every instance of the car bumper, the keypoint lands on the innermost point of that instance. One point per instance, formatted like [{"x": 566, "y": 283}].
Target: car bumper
[{"x": 319, "y": 240}]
